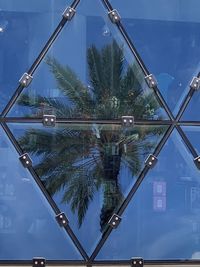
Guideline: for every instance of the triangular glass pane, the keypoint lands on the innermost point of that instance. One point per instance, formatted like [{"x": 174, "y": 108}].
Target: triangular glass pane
[
  {"x": 193, "y": 133},
  {"x": 28, "y": 227},
  {"x": 166, "y": 35},
  {"x": 192, "y": 110},
  {"x": 162, "y": 220},
  {"x": 25, "y": 26},
  {"x": 89, "y": 73},
  {"x": 88, "y": 168}
]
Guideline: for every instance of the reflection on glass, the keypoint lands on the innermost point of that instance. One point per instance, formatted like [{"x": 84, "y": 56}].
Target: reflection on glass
[
  {"x": 89, "y": 73},
  {"x": 174, "y": 59},
  {"x": 192, "y": 133},
  {"x": 162, "y": 220},
  {"x": 25, "y": 26},
  {"x": 27, "y": 224},
  {"x": 191, "y": 112},
  {"x": 88, "y": 169}
]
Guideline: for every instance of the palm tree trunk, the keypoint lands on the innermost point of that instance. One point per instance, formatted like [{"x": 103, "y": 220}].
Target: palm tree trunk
[{"x": 112, "y": 195}]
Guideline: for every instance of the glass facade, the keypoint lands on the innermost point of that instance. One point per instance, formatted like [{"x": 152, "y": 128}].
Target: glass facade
[{"x": 99, "y": 131}]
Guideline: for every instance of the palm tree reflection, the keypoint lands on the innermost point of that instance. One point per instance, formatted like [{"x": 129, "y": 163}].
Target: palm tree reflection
[{"x": 79, "y": 160}]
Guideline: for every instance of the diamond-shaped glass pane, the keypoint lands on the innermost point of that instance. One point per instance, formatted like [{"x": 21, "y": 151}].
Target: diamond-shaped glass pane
[
  {"x": 25, "y": 26},
  {"x": 88, "y": 169},
  {"x": 166, "y": 34},
  {"x": 89, "y": 73},
  {"x": 27, "y": 224},
  {"x": 162, "y": 220}
]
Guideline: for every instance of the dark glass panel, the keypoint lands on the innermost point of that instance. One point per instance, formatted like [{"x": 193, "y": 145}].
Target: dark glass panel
[
  {"x": 88, "y": 169},
  {"x": 25, "y": 26},
  {"x": 27, "y": 223},
  {"x": 89, "y": 73},
  {"x": 166, "y": 34},
  {"x": 162, "y": 220}
]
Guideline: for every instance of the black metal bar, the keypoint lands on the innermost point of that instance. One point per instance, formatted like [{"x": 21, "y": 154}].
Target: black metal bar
[
  {"x": 189, "y": 123},
  {"x": 44, "y": 191},
  {"x": 79, "y": 121},
  {"x": 187, "y": 142},
  {"x": 107, "y": 5},
  {"x": 163, "y": 103},
  {"x": 101, "y": 243},
  {"x": 100, "y": 262},
  {"x": 48, "y": 263},
  {"x": 185, "y": 104},
  {"x": 147, "y": 262},
  {"x": 132, "y": 192}
]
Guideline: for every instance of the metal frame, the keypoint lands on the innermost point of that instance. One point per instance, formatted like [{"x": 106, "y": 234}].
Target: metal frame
[{"x": 172, "y": 123}]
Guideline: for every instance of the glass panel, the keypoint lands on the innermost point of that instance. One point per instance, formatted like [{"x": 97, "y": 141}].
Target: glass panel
[
  {"x": 166, "y": 34},
  {"x": 192, "y": 111},
  {"x": 27, "y": 224},
  {"x": 193, "y": 133},
  {"x": 25, "y": 26},
  {"x": 88, "y": 169},
  {"x": 89, "y": 73},
  {"x": 162, "y": 221}
]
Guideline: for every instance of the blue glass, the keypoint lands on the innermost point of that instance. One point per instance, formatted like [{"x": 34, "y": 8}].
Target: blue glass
[
  {"x": 166, "y": 35},
  {"x": 162, "y": 220},
  {"x": 191, "y": 112},
  {"x": 89, "y": 73},
  {"x": 27, "y": 223},
  {"x": 88, "y": 169},
  {"x": 193, "y": 134},
  {"x": 25, "y": 26}
]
